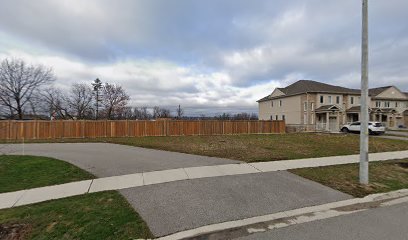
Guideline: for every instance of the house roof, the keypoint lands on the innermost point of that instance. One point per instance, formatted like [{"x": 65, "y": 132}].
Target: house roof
[
  {"x": 375, "y": 91},
  {"x": 310, "y": 86},
  {"x": 303, "y": 86},
  {"x": 354, "y": 109},
  {"x": 382, "y": 110},
  {"x": 327, "y": 108}
]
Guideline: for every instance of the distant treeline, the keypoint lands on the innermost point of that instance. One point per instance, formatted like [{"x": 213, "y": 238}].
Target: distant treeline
[{"x": 26, "y": 93}]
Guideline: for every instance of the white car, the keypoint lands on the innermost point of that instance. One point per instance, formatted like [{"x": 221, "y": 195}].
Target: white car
[{"x": 373, "y": 127}]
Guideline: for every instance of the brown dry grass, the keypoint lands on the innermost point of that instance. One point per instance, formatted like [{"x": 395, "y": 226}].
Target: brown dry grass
[
  {"x": 384, "y": 177},
  {"x": 255, "y": 148}
]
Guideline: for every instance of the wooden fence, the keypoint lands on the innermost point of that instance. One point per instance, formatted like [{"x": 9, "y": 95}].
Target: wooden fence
[{"x": 132, "y": 128}]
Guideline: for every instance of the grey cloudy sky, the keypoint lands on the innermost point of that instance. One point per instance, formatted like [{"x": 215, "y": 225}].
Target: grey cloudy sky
[{"x": 209, "y": 56}]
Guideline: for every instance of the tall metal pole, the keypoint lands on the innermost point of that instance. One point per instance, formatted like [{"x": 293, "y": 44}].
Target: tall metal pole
[{"x": 364, "y": 99}]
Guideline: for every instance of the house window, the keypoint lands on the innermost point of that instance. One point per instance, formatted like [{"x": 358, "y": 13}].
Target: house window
[
  {"x": 396, "y": 104},
  {"x": 313, "y": 119},
  {"x": 338, "y": 99},
  {"x": 305, "y": 106},
  {"x": 280, "y": 103},
  {"x": 312, "y": 106},
  {"x": 378, "y": 104},
  {"x": 330, "y": 99},
  {"x": 352, "y": 100},
  {"x": 283, "y": 117},
  {"x": 387, "y": 104},
  {"x": 305, "y": 118},
  {"x": 272, "y": 103},
  {"x": 276, "y": 117},
  {"x": 321, "y": 99}
]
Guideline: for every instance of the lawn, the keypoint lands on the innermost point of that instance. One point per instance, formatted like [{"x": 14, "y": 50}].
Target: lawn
[
  {"x": 384, "y": 177},
  {"x": 255, "y": 148},
  {"x": 104, "y": 215},
  {"x": 22, "y": 172}
]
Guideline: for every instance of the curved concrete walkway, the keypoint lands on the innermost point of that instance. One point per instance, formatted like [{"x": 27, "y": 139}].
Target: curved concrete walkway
[{"x": 106, "y": 160}]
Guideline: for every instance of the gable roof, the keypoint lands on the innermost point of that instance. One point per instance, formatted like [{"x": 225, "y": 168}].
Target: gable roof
[
  {"x": 327, "y": 108},
  {"x": 375, "y": 91},
  {"x": 310, "y": 86},
  {"x": 303, "y": 86}
]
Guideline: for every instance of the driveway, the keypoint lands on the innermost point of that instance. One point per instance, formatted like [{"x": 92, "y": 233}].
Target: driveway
[
  {"x": 175, "y": 206},
  {"x": 105, "y": 160}
]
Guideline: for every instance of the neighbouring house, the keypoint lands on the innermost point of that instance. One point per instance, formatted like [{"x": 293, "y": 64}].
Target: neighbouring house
[{"x": 321, "y": 106}]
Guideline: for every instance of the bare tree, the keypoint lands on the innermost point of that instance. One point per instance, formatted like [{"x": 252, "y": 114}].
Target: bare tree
[
  {"x": 20, "y": 83},
  {"x": 254, "y": 116},
  {"x": 156, "y": 112},
  {"x": 224, "y": 116},
  {"x": 124, "y": 113},
  {"x": 79, "y": 101},
  {"x": 159, "y": 112},
  {"x": 242, "y": 116},
  {"x": 114, "y": 100},
  {"x": 144, "y": 113},
  {"x": 56, "y": 104}
]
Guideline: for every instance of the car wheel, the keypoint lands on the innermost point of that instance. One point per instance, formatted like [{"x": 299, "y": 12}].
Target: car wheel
[
  {"x": 345, "y": 130},
  {"x": 370, "y": 132}
]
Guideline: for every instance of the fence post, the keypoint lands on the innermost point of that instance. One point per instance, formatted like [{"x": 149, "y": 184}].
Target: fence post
[
  {"x": 127, "y": 127},
  {"x": 35, "y": 129},
  {"x": 199, "y": 127},
  {"x": 168, "y": 127},
  {"x": 9, "y": 129}
]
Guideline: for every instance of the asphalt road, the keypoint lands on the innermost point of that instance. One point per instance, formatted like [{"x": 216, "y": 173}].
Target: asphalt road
[
  {"x": 376, "y": 224},
  {"x": 105, "y": 160},
  {"x": 172, "y": 207}
]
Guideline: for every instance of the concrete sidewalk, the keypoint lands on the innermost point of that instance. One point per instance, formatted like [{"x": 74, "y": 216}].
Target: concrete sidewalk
[{"x": 35, "y": 195}]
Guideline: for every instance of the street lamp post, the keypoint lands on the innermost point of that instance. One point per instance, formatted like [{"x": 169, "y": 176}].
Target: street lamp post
[{"x": 364, "y": 99}]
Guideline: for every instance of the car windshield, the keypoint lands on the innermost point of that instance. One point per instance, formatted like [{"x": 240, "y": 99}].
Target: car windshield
[{"x": 377, "y": 124}]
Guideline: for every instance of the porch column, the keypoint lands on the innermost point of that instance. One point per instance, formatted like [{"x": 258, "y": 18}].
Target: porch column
[
  {"x": 338, "y": 120},
  {"x": 327, "y": 121}
]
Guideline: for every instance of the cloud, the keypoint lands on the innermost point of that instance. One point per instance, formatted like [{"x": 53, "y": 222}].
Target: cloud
[
  {"x": 156, "y": 82},
  {"x": 214, "y": 55}
]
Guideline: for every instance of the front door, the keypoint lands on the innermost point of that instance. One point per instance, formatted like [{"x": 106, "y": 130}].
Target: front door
[
  {"x": 391, "y": 122},
  {"x": 333, "y": 124}
]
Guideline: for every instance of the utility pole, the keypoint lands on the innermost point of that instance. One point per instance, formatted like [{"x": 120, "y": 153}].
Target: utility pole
[
  {"x": 364, "y": 99},
  {"x": 97, "y": 85},
  {"x": 180, "y": 112}
]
